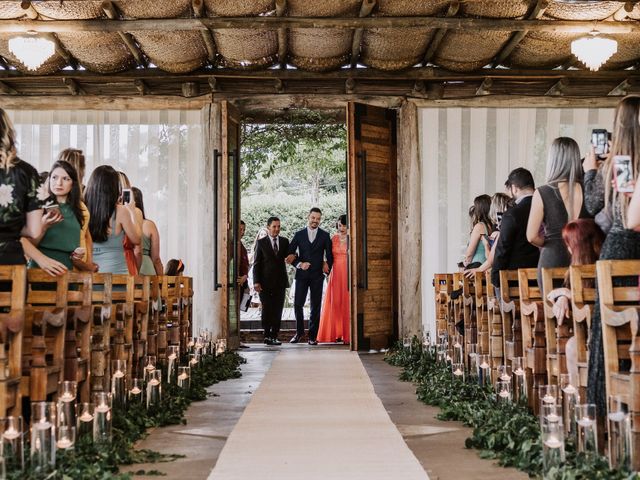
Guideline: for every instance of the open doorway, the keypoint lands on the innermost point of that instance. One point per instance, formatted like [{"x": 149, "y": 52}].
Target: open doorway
[{"x": 290, "y": 163}]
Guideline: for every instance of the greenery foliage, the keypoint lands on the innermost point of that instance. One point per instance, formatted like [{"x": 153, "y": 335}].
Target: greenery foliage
[
  {"x": 509, "y": 433},
  {"x": 100, "y": 462}
]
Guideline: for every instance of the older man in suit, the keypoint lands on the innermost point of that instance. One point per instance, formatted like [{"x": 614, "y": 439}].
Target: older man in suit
[
  {"x": 270, "y": 278},
  {"x": 310, "y": 252}
]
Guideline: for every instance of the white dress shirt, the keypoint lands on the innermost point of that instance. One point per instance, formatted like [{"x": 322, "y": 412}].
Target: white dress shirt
[{"x": 312, "y": 232}]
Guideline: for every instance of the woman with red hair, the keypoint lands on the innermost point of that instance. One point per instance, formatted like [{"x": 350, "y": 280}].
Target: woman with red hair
[{"x": 584, "y": 240}]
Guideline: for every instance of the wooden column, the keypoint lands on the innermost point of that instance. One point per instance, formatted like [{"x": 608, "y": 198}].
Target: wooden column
[{"x": 409, "y": 223}]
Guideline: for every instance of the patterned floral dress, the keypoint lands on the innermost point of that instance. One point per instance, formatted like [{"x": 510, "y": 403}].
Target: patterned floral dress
[{"x": 20, "y": 193}]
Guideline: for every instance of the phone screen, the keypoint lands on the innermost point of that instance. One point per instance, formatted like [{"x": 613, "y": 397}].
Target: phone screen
[
  {"x": 599, "y": 141},
  {"x": 126, "y": 196},
  {"x": 623, "y": 173}
]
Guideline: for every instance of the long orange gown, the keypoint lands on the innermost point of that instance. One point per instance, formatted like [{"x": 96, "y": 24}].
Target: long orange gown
[{"x": 334, "y": 318}]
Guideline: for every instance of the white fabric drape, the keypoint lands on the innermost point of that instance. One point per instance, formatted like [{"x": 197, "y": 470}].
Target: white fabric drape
[
  {"x": 162, "y": 153},
  {"x": 465, "y": 152}
]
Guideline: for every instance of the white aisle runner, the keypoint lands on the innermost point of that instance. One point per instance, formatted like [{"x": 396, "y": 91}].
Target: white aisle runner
[{"x": 316, "y": 416}]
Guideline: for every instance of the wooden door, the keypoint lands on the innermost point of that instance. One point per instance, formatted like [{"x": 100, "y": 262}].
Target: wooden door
[
  {"x": 372, "y": 179},
  {"x": 227, "y": 167}
]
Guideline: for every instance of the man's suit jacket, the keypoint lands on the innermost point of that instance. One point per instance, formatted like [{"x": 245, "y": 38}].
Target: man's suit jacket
[
  {"x": 314, "y": 253},
  {"x": 514, "y": 250},
  {"x": 269, "y": 269}
]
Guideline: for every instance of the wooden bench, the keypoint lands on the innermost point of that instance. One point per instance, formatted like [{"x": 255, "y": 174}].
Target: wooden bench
[
  {"x": 469, "y": 313},
  {"x": 533, "y": 332},
  {"x": 482, "y": 312},
  {"x": 186, "y": 295},
  {"x": 155, "y": 305},
  {"x": 13, "y": 279},
  {"x": 44, "y": 335},
  {"x": 122, "y": 320},
  {"x": 141, "y": 295},
  {"x": 494, "y": 318},
  {"x": 510, "y": 311},
  {"x": 619, "y": 309},
  {"x": 557, "y": 331},
  {"x": 101, "y": 318},
  {"x": 443, "y": 286},
  {"x": 456, "y": 310},
  {"x": 583, "y": 298},
  {"x": 78, "y": 333},
  {"x": 173, "y": 310}
]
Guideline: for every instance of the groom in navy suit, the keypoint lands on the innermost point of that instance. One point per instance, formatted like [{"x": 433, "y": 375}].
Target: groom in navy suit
[{"x": 310, "y": 252}]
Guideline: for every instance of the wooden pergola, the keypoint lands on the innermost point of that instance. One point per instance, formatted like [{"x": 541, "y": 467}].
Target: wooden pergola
[{"x": 433, "y": 51}]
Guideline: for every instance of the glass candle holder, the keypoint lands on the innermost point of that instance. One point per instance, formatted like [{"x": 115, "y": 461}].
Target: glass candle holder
[
  {"x": 586, "y": 428},
  {"x": 484, "y": 370},
  {"x": 221, "y": 346},
  {"x": 519, "y": 375},
  {"x": 619, "y": 434},
  {"x": 11, "y": 432},
  {"x": 149, "y": 366},
  {"x": 184, "y": 377},
  {"x": 135, "y": 392},
  {"x": 552, "y": 447},
  {"x": 458, "y": 349},
  {"x": 43, "y": 436},
  {"x": 85, "y": 420},
  {"x": 472, "y": 359},
  {"x": 441, "y": 354},
  {"x": 154, "y": 389},
  {"x": 173, "y": 356},
  {"x": 548, "y": 394},
  {"x": 3, "y": 468},
  {"x": 570, "y": 398},
  {"x": 66, "y": 437},
  {"x": 67, "y": 393},
  {"x": 193, "y": 361},
  {"x": 503, "y": 391},
  {"x": 102, "y": 416},
  {"x": 457, "y": 370},
  {"x": 118, "y": 383}
]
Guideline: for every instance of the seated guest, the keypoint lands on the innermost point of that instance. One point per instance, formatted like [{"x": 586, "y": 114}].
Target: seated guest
[
  {"x": 147, "y": 253},
  {"x": 583, "y": 240},
  {"x": 513, "y": 250},
  {"x": 110, "y": 220},
  {"x": 481, "y": 225},
  {"x": 59, "y": 244},
  {"x": 20, "y": 203},
  {"x": 174, "y": 267}
]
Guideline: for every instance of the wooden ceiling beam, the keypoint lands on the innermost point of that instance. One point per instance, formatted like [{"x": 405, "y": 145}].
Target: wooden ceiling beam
[
  {"x": 60, "y": 50},
  {"x": 29, "y": 11},
  {"x": 517, "y": 37},
  {"x": 366, "y": 8},
  {"x": 622, "y": 88},
  {"x": 7, "y": 90},
  {"x": 274, "y": 22},
  {"x": 111, "y": 12},
  {"x": 436, "y": 40},
  {"x": 558, "y": 88},
  {"x": 207, "y": 37},
  {"x": 281, "y": 8},
  {"x": 73, "y": 86}
]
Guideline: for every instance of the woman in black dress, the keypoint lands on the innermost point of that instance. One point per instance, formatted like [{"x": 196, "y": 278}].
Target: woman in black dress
[
  {"x": 621, "y": 242},
  {"x": 20, "y": 199}
]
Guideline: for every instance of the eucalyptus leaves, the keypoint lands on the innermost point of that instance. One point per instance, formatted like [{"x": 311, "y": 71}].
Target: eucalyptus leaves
[
  {"x": 506, "y": 432},
  {"x": 100, "y": 462}
]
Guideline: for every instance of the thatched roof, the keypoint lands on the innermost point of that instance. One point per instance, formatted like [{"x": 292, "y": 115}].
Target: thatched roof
[{"x": 415, "y": 47}]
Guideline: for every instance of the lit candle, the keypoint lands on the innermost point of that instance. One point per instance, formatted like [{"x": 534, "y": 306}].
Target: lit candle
[
  {"x": 504, "y": 394},
  {"x": 552, "y": 417},
  {"x": 569, "y": 389},
  {"x": 11, "y": 433},
  {"x": 553, "y": 442},
  {"x": 86, "y": 417},
  {"x": 102, "y": 408},
  {"x": 585, "y": 422},
  {"x": 504, "y": 377},
  {"x": 66, "y": 397},
  {"x": 136, "y": 391},
  {"x": 518, "y": 371},
  {"x": 118, "y": 374},
  {"x": 484, "y": 365},
  {"x": 183, "y": 376},
  {"x": 64, "y": 443},
  {"x": 457, "y": 372},
  {"x": 154, "y": 382}
]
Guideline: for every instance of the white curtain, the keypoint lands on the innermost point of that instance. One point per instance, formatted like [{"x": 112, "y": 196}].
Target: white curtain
[
  {"x": 465, "y": 152},
  {"x": 162, "y": 153}
]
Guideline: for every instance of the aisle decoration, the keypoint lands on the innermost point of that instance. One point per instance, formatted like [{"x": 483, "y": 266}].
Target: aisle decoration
[
  {"x": 502, "y": 430},
  {"x": 107, "y": 431}
]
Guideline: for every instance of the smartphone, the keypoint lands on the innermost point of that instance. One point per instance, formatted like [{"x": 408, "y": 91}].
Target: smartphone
[
  {"x": 126, "y": 196},
  {"x": 54, "y": 207},
  {"x": 599, "y": 140},
  {"x": 623, "y": 173}
]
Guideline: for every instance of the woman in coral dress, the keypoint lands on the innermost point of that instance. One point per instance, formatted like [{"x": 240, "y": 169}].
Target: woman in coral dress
[{"x": 334, "y": 319}]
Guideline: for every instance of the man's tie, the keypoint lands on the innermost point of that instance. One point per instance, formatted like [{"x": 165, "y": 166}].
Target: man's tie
[{"x": 275, "y": 246}]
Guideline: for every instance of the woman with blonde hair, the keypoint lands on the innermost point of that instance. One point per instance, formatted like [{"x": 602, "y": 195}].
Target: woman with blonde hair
[
  {"x": 621, "y": 242},
  {"x": 21, "y": 198},
  {"x": 555, "y": 204}
]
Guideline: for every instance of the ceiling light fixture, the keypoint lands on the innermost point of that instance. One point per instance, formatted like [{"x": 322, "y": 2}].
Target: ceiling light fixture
[
  {"x": 594, "y": 50},
  {"x": 32, "y": 51}
]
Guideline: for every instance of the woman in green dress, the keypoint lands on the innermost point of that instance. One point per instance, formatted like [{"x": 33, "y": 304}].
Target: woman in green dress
[
  {"x": 148, "y": 252},
  {"x": 59, "y": 245}
]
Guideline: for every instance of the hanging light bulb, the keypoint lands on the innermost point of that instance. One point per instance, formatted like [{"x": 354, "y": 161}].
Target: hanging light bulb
[
  {"x": 594, "y": 50},
  {"x": 32, "y": 51}
]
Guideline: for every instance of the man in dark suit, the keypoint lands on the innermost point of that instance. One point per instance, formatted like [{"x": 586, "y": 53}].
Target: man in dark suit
[
  {"x": 513, "y": 250},
  {"x": 310, "y": 252},
  {"x": 270, "y": 278}
]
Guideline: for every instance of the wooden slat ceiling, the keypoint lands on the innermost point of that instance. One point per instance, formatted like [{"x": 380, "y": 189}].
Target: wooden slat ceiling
[{"x": 435, "y": 49}]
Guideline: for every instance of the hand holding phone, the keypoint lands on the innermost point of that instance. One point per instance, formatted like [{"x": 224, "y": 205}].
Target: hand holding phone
[
  {"x": 599, "y": 140},
  {"x": 623, "y": 173},
  {"x": 126, "y": 196},
  {"x": 52, "y": 215}
]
